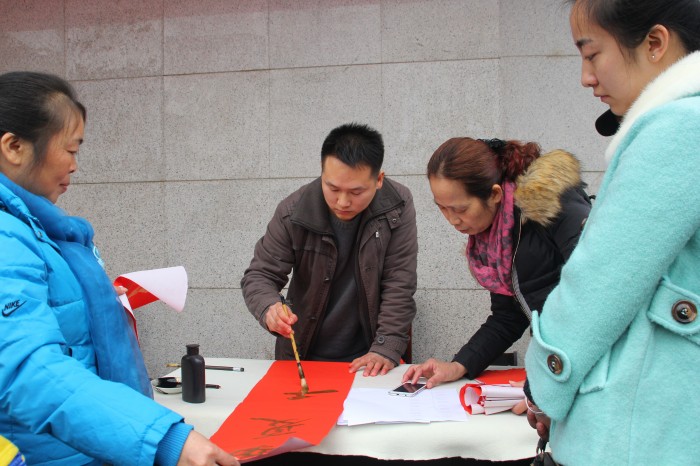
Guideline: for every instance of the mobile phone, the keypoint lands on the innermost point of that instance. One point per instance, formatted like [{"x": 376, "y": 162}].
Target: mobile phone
[{"x": 407, "y": 389}]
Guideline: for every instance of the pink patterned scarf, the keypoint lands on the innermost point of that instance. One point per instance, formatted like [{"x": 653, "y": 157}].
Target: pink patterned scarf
[{"x": 490, "y": 253}]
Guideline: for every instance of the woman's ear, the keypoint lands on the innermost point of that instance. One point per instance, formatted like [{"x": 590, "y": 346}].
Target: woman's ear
[
  {"x": 657, "y": 42},
  {"x": 15, "y": 151},
  {"x": 496, "y": 194}
]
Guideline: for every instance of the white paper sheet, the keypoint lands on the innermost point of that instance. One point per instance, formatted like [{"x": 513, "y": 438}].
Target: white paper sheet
[
  {"x": 375, "y": 406},
  {"x": 168, "y": 285}
]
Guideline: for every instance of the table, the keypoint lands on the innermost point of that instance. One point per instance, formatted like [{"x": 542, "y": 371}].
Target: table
[{"x": 499, "y": 437}]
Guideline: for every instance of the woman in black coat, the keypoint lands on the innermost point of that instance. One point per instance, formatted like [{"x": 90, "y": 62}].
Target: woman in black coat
[{"x": 523, "y": 212}]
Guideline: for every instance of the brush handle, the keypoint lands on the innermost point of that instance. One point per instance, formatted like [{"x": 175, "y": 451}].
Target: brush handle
[
  {"x": 294, "y": 343},
  {"x": 304, "y": 385},
  {"x": 218, "y": 368},
  {"x": 294, "y": 347}
]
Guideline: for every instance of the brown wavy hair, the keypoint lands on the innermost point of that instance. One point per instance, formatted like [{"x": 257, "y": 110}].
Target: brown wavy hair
[{"x": 479, "y": 164}]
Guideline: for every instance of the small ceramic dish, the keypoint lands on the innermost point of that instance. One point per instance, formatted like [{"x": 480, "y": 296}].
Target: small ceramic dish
[{"x": 165, "y": 386}]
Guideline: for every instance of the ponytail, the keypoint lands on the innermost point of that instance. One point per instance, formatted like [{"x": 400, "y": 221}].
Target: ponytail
[{"x": 517, "y": 157}]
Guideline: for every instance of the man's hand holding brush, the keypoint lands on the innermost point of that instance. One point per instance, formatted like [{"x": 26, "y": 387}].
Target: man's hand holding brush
[
  {"x": 279, "y": 321},
  {"x": 302, "y": 377}
]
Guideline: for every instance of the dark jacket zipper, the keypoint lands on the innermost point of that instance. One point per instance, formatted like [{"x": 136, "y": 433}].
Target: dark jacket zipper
[{"x": 520, "y": 299}]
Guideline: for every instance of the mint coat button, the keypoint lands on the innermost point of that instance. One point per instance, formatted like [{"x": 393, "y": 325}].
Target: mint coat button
[
  {"x": 554, "y": 363},
  {"x": 684, "y": 312}
]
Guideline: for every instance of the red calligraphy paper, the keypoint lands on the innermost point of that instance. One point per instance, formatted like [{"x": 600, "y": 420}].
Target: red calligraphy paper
[
  {"x": 489, "y": 399},
  {"x": 491, "y": 393},
  {"x": 275, "y": 418},
  {"x": 502, "y": 376},
  {"x": 167, "y": 284}
]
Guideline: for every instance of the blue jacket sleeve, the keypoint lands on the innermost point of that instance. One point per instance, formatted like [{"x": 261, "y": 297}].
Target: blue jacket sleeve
[{"x": 170, "y": 448}]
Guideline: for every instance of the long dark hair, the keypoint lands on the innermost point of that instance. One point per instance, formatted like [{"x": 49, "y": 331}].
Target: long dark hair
[
  {"x": 629, "y": 21},
  {"x": 478, "y": 164},
  {"x": 36, "y": 106}
]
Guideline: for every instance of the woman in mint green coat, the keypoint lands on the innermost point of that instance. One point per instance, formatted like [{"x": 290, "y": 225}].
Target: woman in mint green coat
[{"x": 615, "y": 352}]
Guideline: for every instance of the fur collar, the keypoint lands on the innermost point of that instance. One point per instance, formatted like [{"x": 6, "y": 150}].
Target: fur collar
[
  {"x": 539, "y": 189},
  {"x": 678, "y": 81}
]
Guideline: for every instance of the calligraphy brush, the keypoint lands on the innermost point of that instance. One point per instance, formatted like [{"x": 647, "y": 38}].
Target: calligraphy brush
[{"x": 304, "y": 385}]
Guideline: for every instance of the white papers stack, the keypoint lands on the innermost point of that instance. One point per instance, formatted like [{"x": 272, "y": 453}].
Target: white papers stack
[
  {"x": 376, "y": 406},
  {"x": 490, "y": 399}
]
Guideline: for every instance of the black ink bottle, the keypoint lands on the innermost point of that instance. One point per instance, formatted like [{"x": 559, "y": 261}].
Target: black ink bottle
[{"x": 192, "y": 368}]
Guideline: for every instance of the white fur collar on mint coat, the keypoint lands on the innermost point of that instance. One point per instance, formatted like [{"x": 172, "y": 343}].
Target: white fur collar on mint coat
[{"x": 670, "y": 85}]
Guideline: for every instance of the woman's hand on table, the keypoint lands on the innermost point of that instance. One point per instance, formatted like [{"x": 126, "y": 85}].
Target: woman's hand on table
[
  {"x": 521, "y": 407},
  {"x": 374, "y": 364},
  {"x": 199, "y": 451},
  {"x": 436, "y": 371}
]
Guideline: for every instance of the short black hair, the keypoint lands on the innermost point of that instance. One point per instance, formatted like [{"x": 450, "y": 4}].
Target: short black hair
[
  {"x": 355, "y": 145},
  {"x": 35, "y": 106},
  {"x": 629, "y": 21}
]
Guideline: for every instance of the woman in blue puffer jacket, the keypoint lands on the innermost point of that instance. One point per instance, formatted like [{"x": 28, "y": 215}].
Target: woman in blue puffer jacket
[{"x": 73, "y": 386}]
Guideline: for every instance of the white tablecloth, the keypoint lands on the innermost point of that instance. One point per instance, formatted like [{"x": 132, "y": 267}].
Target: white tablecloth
[{"x": 498, "y": 437}]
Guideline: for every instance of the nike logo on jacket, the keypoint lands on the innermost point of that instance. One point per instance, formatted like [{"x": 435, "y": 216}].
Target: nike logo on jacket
[{"x": 12, "y": 307}]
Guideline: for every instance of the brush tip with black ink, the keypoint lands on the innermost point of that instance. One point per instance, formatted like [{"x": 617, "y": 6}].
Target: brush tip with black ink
[{"x": 304, "y": 385}]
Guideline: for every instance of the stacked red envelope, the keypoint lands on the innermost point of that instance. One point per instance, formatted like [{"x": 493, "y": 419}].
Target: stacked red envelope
[{"x": 492, "y": 392}]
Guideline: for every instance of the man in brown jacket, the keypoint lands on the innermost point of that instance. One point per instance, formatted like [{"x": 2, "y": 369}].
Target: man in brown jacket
[{"x": 349, "y": 240}]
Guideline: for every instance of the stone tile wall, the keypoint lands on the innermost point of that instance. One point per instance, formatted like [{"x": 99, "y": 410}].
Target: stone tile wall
[{"x": 203, "y": 115}]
